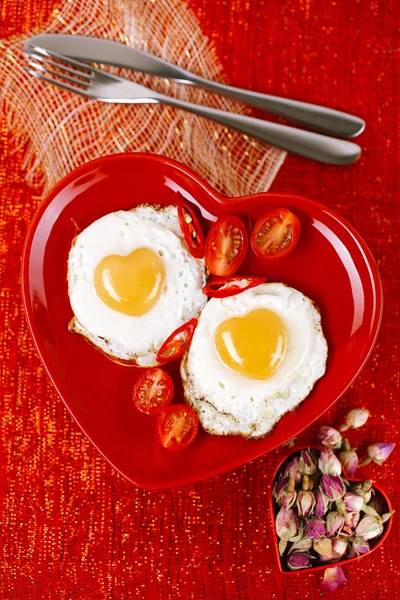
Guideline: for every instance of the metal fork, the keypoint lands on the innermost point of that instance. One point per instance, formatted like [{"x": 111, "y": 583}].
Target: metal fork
[{"x": 83, "y": 79}]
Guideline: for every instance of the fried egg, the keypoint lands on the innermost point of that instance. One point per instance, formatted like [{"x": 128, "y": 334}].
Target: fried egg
[
  {"x": 253, "y": 357},
  {"x": 132, "y": 281}
]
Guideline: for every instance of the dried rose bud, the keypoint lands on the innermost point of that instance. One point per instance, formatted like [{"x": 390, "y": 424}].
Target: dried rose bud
[
  {"x": 355, "y": 418},
  {"x": 351, "y": 519},
  {"x": 339, "y": 546},
  {"x": 305, "y": 503},
  {"x": 323, "y": 547},
  {"x": 363, "y": 489},
  {"x": 333, "y": 579},
  {"x": 287, "y": 494},
  {"x": 332, "y": 486},
  {"x": 321, "y": 503},
  {"x": 293, "y": 467},
  {"x": 279, "y": 485},
  {"x": 307, "y": 463},
  {"x": 329, "y": 464},
  {"x": 360, "y": 546},
  {"x": 298, "y": 560},
  {"x": 330, "y": 437},
  {"x": 334, "y": 523},
  {"x": 369, "y": 527},
  {"x": 378, "y": 452},
  {"x": 349, "y": 460},
  {"x": 346, "y": 531},
  {"x": 369, "y": 510},
  {"x": 287, "y": 524},
  {"x": 353, "y": 502},
  {"x": 304, "y": 544},
  {"x": 315, "y": 528}
]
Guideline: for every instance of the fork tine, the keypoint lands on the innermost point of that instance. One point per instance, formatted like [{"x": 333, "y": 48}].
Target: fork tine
[
  {"x": 56, "y": 74},
  {"x": 51, "y": 62},
  {"x": 62, "y": 58},
  {"x": 64, "y": 86}
]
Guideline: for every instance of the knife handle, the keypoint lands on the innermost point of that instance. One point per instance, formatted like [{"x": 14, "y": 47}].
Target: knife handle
[
  {"x": 305, "y": 143},
  {"x": 318, "y": 117}
]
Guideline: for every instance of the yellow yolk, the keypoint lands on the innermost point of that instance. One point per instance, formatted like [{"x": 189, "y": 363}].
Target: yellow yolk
[
  {"x": 253, "y": 345},
  {"x": 130, "y": 284}
]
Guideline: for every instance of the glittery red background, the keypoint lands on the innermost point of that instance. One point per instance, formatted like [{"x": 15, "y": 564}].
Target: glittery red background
[{"x": 71, "y": 527}]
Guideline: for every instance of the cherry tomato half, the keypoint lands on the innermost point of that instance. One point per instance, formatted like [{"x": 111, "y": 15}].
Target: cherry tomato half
[
  {"x": 177, "y": 426},
  {"x": 191, "y": 229},
  {"x": 178, "y": 341},
  {"x": 153, "y": 391},
  {"x": 275, "y": 234},
  {"x": 222, "y": 287},
  {"x": 226, "y": 246}
]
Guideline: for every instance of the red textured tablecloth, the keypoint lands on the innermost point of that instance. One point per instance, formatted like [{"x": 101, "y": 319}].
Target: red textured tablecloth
[{"x": 71, "y": 527}]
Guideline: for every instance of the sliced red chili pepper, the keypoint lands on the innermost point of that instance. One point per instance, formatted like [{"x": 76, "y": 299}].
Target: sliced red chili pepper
[
  {"x": 178, "y": 341},
  {"x": 191, "y": 229},
  {"x": 222, "y": 287}
]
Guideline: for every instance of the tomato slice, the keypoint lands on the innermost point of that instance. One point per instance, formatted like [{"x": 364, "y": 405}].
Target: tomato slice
[
  {"x": 177, "y": 426},
  {"x": 153, "y": 391},
  {"x": 222, "y": 287},
  {"x": 226, "y": 246},
  {"x": 178, "y": 341},
  {"x": 191, "y": 229},
  {"x": 275, "y": 234}
]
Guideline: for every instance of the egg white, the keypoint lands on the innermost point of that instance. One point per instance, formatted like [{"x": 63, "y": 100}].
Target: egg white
[
  {"x": 128, "y": 338},
  {"x": 229, "y": 403}
]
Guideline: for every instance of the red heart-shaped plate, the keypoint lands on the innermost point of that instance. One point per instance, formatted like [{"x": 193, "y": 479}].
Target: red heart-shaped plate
[{"x": 331, "y": 264}]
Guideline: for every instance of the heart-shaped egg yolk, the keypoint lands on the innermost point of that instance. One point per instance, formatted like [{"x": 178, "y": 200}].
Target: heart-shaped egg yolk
[
  {"x": 253, "y": 345},
  {"x": 130, "y": 284}
]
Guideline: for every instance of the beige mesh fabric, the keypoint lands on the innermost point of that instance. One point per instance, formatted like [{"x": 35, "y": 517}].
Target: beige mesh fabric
[{"x": 64, "y": 130}]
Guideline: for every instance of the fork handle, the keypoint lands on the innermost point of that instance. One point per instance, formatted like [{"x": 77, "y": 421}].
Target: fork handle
[
  {"x": 318, "y": 117},
  {"x": 312, "y": 145}
]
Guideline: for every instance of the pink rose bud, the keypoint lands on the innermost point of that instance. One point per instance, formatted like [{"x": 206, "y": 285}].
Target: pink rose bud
[
  {"x": 333, "y": 579},
  {"x": 334, "y": 522},
  {"x": 287, "y": 524},
  {"x": 360, "y": 546},
  {"x": 380, "y": 451},
  {"x": 321, "y": 503},
  {"x": 339, "y": 546},
  {"x": 346, "y": 531},
  {"x": 329, "y": 464},
  {"x": 305, "y": 503},
  {"x": 349, "y": 460},
  {"x": 363, "y": 489},
  {"x": 287, "y": 494},
  {"x": 307, "y": 463},
  {"x": 280, "y": 484},
  {"x": 323, "y": 547},
  {"x": 304, "y": 544},
  {"x": 332, "y": 486},
  {"x": 315, "y": 528},
  {"x": 355, "y": 418},
  {"x": 330, "y": 437},
  {"x": 369, "y": 527},
  {"x": 293, "y": 467},
  {"x": 351, "y": 520},
  {"x": 298, "y": 560},
  {"x": 353, "y": 502}
]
